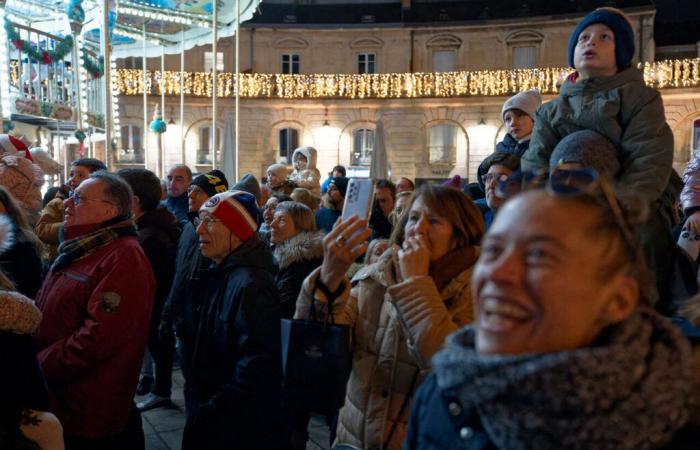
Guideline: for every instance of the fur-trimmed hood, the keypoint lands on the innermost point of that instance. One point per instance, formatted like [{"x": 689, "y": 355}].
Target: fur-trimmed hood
[
  {"x": 310, "y": 155},
  {"x": 305, "y": 246}
]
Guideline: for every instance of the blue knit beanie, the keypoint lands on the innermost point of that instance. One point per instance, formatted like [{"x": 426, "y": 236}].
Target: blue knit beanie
[{"x": 621, "y": 27}]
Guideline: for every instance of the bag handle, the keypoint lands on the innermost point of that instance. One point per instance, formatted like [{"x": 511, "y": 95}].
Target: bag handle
[{"x": 331, "y": 296}]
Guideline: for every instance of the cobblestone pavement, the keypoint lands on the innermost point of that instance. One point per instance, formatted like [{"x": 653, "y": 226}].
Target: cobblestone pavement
[{"x": 163, "y": 426}]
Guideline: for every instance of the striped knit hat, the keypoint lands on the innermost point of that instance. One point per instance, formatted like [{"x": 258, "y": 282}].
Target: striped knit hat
[{"x": 237, "y": 210}]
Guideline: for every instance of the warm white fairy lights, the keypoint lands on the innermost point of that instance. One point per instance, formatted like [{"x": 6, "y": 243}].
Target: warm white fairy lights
[
  {"x": 660, "y": 74},
  {"x": 84, "y": 82},
  {"x": 4, "y": 72},
  {"x": 116, "y": 129}
]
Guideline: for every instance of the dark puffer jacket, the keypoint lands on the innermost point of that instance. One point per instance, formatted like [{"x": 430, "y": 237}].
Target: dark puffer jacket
[
  {"x": 182, "y": 308},
  {"x": 237, "y": 384},
  {"x": 296, "y": 259}
]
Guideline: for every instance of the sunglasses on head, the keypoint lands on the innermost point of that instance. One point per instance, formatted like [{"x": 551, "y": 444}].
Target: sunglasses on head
[{"x": 572, "y": 180}]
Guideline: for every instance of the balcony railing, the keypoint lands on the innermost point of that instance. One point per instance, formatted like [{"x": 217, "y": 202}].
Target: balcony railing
[
  {"x": 50, "y": 90},
  {"x": 660, "y": 74}
]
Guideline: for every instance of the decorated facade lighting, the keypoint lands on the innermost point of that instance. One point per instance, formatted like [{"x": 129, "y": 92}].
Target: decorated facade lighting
[{"x": 659, "y": 74}]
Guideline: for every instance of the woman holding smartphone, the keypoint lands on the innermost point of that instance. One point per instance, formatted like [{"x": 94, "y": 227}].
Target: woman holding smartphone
[{"x": 401, "y": 309}]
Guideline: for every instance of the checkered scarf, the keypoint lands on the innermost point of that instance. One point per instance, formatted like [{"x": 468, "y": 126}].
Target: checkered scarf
[{"x": 82, "y": 246}]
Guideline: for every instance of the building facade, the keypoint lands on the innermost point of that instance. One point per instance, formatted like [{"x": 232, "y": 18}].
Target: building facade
[{"x": 424, "y": 138}]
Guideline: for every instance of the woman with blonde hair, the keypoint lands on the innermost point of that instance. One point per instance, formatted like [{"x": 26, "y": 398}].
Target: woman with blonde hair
[{"x": 401, "y": 310}]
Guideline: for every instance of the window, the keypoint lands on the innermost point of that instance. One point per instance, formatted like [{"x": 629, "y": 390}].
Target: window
[
  {"x": 363, "y": 144},
  {"x": 290, "y": 63},
  {"x": 443, "y": 144},
  {"x": 366, "y": 63},
  {"x": 443, "y": 61},
  {"x": 204, "y": 150},
  {"x": 524, "y": 57},
  {"x": 131, "y": 151},
  {"x": 288, "y": 141},
  {"x": 523, "y": 46},
  {"x": 209, "y": 61},
  {"x": 696, "y": 135}
]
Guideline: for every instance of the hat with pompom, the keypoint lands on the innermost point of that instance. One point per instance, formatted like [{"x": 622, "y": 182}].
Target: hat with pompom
[{"x": 238, "y": 211}]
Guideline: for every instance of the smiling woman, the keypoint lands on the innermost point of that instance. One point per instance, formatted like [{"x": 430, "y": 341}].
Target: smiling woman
[{"x": 566, "y": 351}]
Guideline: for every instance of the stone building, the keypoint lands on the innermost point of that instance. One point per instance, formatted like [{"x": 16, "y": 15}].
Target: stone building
[{"x": 429, "y": 137}]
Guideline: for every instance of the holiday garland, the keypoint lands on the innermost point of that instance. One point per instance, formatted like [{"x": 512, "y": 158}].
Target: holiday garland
[
  {"x": 94, "y": 67},
  {"x": 33, "y": 51}
]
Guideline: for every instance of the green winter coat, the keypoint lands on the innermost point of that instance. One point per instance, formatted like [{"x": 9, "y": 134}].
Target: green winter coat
[{"x": 623, "y": 109}]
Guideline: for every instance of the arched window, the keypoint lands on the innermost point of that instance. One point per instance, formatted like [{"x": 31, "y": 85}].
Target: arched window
[
  {"x": 362, "y": 146},
  {"x": 204, "y": 155},
  {"x": 131, "y": 151},
  {"x": 288, "y": 140},
  {"x": 442, "y": 146}
]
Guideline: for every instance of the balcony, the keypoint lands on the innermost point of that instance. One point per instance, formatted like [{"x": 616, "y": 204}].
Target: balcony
[{"x": 46, "y": 91}]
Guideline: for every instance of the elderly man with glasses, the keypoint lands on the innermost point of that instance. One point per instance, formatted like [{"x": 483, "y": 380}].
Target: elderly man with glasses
[
  {"x": 96, "y": 302},
  {"x": 238, "y": 349}
]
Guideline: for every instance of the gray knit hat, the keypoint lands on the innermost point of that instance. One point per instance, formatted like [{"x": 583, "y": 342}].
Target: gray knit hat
[
  {"x": 527, "y": 102},
  {"x": 589, "y": 149},
  {"x": 249, "y": 183}
]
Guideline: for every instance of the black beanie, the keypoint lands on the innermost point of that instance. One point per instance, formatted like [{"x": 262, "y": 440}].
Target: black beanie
[
  {"x": 212, "y": 183},
  {"x": 341, "y": 183}
]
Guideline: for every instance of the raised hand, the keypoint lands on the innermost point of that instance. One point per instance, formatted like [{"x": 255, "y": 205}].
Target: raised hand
[{"x": 341, "y": 247}]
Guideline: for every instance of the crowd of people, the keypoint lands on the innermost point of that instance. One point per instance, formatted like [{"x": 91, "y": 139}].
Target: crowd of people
[{"x": 537, "y": 308}]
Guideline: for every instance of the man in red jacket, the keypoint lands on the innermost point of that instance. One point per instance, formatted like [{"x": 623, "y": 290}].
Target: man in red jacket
[{"x": 96, "y": 301}]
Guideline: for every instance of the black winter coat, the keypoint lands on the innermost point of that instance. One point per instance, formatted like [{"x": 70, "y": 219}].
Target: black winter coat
[
  {"x": 158, "y": 233},
  {"x": 21, "y": 263},
  {"x": 182, "y": 308},
  {"x": 296, "y": 259},
  {"x": 238, "y": 376}
]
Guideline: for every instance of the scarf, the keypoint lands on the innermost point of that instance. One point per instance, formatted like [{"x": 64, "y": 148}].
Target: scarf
[
  {"x": 79, "y": 247},
  {"x": 631, "y": 390},
  {"x": 452, "y": 264}
]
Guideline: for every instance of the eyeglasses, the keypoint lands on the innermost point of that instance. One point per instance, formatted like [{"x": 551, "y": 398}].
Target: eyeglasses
[
  {"x": 487, "y": 178},
  {"x": 571, "y": 180},
  {"x": 209, "y": 222},
  {"x": 78, "y": 199}
]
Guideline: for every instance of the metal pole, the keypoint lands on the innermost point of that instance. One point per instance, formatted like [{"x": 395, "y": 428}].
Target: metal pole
[
  {"x": 182, "y": 97},
  {"x": 161, "y": 151},
  {"x": 107, "y": 93},
  {"x": 144, "y": 80},
  {"x": 215, "y": 37},
  {"x": 238, "y": 84}
]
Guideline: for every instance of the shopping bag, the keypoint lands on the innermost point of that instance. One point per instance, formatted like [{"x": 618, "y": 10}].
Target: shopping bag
[{"x": 316, "y": 364}]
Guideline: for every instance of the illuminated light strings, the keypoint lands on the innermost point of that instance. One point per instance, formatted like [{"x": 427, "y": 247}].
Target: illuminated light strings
[{"x": 659, "y": 74}]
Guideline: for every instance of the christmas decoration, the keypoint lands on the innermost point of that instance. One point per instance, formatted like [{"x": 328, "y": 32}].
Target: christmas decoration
[
  {"x": 658, "y": 74},
  {"x": 33, "y": 51}
]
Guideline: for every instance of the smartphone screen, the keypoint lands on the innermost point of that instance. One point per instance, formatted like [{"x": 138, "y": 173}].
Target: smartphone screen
[{"x": 358, "y": 198}]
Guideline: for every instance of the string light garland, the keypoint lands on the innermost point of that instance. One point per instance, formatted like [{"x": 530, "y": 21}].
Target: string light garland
[{"x": 659, "y": 74}]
